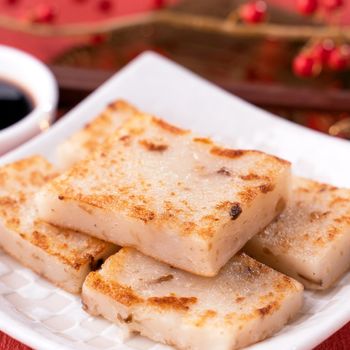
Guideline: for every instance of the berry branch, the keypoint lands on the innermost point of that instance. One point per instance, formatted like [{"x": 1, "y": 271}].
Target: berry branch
[
  {"x": 195, "y": 22},
  {"x": 326, "y": 53},
  {"x": 326, "y": 45}
]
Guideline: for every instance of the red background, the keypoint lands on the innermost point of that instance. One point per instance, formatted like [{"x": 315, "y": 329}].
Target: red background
[{"x": 72, "y": 11}]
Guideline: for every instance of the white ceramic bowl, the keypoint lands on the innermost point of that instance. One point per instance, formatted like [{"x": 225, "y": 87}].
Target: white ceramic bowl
[{"x": 36, "y": 79}]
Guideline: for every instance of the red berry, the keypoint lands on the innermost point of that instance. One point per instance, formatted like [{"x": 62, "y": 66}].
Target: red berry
[
  {"x": 12, "y": 2},
  {"x": 332, "y": 5},
  {"x": 97, "y": 39},
  {"x": 339, "y": 58},
  {"x": 322, "y": 51},
  {"x": 158, "y": 4},
  {"x": 307, "y": 7},
  {"x": 253, "y": 12},
  {"x": 105, "y": 5},
  {"x": 44, "y": 13},
  {"x": 304, "y": 66}
]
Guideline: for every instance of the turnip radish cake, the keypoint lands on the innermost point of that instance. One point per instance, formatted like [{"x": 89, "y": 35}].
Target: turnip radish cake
[
  {"x": 173, "y": 196},
  {"x": 85, "y": 141},
  {"x": 310, "y": 241},
  {"x": 62, "y": 256},
  {"x": 246, "y": 302}
]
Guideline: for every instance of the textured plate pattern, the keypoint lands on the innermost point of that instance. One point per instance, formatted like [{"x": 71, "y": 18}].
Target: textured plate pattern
[
  {"x": 45, "y": 317},
  {"x": 58, "y": 312}
]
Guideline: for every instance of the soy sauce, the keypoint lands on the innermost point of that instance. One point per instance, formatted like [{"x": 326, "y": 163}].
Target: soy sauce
[{"x": 15, "y": 104}]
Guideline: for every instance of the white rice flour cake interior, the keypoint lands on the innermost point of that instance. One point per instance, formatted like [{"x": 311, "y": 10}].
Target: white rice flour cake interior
[
  {"x": 310, "y": 240},
  {"x": 86, "y": 140},
  {"x": 61, "y": 255},
  {"x": 172, "y": 195},
  {"x": 246, "y": 302}
]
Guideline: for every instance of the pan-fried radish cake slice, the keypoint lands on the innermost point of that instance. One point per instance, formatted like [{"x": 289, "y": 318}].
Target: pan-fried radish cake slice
[
  {"x": 62, "y": 256},
  {"x": 85, "y": 141},
  {"x": 176, "y": 197},
  {"x": 245, "y": 303},
  {"x": 310, "y": 241}
]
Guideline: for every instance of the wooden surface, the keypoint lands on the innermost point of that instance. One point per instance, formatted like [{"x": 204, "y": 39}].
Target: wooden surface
[{"x": 76, "y": 83}]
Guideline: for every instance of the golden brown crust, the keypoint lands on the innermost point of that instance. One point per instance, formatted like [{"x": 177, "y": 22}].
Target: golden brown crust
[
  {"x": 122, "y": 105},
  {"x": 40, "y": 240},
  {"x": 128, "y": 185},
  {"x": 265, "y": 188},
  {"x": 121, "y": 294},
  {"x": 314, "y": 186},
  {"x": 153, "y": 146},
  {"x": 126, "y": 296},
  {"x": 253, "y": 177},
  {"x": 22, "y": 181},
  {"x": 226, "y": 152},
  {"x": 204, "y": 317},
  {"x": 272, "y": 300},
  {"x": 142, "y": 213},
  {"x": 16, "y": 178},
  {"x": 249, "y": 290},
  {"x": 262, "y": 312},
  {"x": 248, "y": 195},
  {"x": 317, "y": 214},
  {"x": 253, "y": 268},
  {"x": 169, "y": 127},
  {"x": 22, "y": 164},
  {"x": 172, "y": 302},
  {"x": 94, "y": 131},
  {"x": 204, "y": 140},
  {"x": 87, "y": 140},
  {"x": 6, "y": 202},
  {"x": 63, "y": 249},
  {"x": 281, "y": 160},
  {"x": 268, "y": 309}
]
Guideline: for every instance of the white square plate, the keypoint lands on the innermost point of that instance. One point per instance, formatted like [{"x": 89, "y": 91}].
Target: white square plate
[{"x": 44, "y": 317}]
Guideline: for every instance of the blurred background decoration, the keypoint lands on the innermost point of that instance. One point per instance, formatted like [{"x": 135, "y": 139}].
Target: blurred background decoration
[{"x": 288, "y": 56}]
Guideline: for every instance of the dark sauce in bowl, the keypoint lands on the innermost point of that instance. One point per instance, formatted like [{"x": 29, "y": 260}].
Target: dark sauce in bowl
[{"x": 15, "y": 104}]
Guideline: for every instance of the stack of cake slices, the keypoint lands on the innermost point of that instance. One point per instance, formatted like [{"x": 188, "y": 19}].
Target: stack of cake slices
[{"x": 176, "y": 215}]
